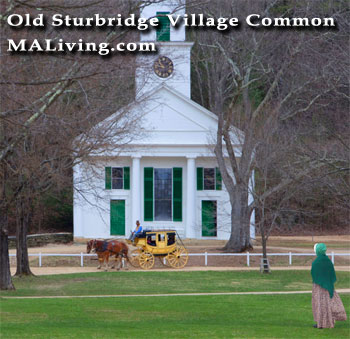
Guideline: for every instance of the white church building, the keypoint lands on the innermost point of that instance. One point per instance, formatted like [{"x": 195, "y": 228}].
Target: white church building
[{"x": 168, "y": 178}]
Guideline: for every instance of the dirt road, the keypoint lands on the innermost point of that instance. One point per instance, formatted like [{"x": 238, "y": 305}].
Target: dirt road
[
  {"x": 63, "y": 265},
  {"x": 69, "y": 270}
]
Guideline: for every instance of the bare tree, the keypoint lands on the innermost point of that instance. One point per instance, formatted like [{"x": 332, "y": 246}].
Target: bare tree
[
  {"x": 252, "y": 77},
  {"x": 52, "y": 109},
  {"x": 271, "y": 166}
]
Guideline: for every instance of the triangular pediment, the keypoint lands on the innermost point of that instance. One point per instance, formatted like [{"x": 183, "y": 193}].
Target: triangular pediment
[
  {"x": 167, "y": 117},
  {"x": 163, "y": 117},
  {"x": 171, "y": 118}
]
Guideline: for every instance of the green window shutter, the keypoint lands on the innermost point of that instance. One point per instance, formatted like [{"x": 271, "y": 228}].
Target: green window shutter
[
  {"x": 163, "y": 30},
  {"x": 177, "y": 194},
  {"x": 218, "y": 179},
  {"x": 108, "y": 178},
  {"x": 126, "y": 178},
  {"x": 148, "y": 193},
  {"x": 199, "y": 178}
]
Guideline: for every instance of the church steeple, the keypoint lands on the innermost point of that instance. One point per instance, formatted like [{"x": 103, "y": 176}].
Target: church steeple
[{"x": 171, "y": 64}]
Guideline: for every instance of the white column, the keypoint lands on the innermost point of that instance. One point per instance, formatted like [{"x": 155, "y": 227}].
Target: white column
[
  {"x": 191, "y": 198},
  {"x": 135, "y": 192}
]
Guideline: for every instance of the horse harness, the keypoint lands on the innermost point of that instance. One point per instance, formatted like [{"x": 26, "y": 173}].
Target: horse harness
[{"x": 103, "y": 248}]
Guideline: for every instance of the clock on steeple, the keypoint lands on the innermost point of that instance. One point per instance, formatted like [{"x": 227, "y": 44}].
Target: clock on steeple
[
  {"x": 171, "y": 65},
  {"x": 163, "y": 67}
]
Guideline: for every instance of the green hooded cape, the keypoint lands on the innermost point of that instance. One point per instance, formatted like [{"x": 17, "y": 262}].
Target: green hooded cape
[{"x": 322, "y": 270}]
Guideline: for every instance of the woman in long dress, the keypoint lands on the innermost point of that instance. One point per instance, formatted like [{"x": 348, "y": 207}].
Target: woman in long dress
[{"x": 327, "y": 307}]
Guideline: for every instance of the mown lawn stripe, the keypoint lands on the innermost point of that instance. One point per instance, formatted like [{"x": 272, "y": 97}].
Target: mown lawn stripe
[
  {"x": 344, "y": 290},
  {"x": 132, "y": 283},
  {"x": 213, "y": 316}
]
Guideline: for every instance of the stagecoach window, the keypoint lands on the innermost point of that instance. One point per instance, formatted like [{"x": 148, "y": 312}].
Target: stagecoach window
[
  {"x": 117, "y": 177},
  {"x": 151, "y": 240},
  {"x": 171, "y": 238},
  {"x": 162, "y": 194},
  {"x": 161, "y": 237},
  {"x": 209, "y": 178}
]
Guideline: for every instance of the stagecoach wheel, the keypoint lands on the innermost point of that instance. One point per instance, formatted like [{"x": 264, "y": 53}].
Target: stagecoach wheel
[
  {"x": 134, "y": 257},
  {"x": 146, "y": 260},
  {"x": 178, "y": 258}
]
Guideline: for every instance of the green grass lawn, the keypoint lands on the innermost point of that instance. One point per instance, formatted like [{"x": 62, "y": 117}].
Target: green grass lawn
[
  {"x": 106, "y": 283},
  {"x": 233, "y": 316},
  {"x": 262, "y": 316}
]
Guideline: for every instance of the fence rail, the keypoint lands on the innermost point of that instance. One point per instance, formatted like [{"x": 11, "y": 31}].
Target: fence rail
[{"x": 205, "y": 255}]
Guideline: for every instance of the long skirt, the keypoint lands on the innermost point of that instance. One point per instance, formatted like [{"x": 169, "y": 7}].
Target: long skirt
[{"x": 326, "y": 310}]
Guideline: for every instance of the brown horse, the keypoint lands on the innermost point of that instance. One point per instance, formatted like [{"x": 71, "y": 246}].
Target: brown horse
[{"x": 105, "y": 249}]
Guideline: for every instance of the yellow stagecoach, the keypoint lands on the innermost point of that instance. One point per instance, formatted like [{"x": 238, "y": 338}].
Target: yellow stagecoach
[{"x": 164, "y": 244}]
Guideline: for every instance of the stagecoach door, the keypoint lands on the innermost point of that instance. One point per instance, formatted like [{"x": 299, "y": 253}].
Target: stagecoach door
[
  {"x": 209, "y": 218},
  {"x": 161, "y": 243},
  {"x": 117, "y": 217}
]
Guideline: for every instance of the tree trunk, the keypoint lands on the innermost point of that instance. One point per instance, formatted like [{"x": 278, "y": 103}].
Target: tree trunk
[
  {"x": 23, "y": 218},
  {"x": 264, "y": 243},
  {"x": 5, "y": 273},
  {"x": 265, "y": 268},
  {"x": 240, "y": 223}
]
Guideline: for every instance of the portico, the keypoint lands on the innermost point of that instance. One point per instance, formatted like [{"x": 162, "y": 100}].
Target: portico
[{"x": 187, "y": 224}]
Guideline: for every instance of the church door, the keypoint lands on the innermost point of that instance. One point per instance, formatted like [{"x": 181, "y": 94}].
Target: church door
[
  {"x": 117, "y": 217},
  {"x": 209, "y": 218}
]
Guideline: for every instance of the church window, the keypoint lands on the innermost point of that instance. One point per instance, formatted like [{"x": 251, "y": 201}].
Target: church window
[
  {"x": 117, "y": 178},
  {"x": 162, "y": 194},
  {"x": 208, "y": 179}
]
